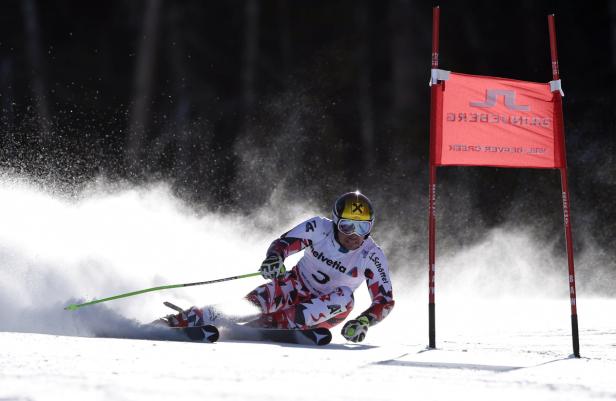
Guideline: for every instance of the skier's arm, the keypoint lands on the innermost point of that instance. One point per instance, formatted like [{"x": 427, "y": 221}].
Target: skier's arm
[
  {"x": 379, "y": 286},
  {"x": 285, "y": 246},
  {"x": 293, "y": 241},
  {"x": 298, "y": 238}
]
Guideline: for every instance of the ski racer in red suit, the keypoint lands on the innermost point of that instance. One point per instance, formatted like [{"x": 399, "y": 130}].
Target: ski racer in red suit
[{"x": 339, "y": 255}]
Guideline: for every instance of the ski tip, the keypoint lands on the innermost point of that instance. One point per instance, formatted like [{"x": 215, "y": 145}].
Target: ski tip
[
  {"x": 71, "y": 307},
  {"x": 318, "y": 336},
  {"x": 207, "y": 333},
  {"x": 210, "y": 333},
  {"x": 310, "y": 336},
  {"x": 321, "y": 336}
]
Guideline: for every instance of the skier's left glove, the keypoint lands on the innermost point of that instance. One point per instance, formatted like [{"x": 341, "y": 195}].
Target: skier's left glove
[{"x": 355, "y": 330}]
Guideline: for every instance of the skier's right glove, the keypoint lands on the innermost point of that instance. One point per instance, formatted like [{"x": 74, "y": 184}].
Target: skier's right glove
[
  {"x": 355, "y": 330},
  {"x": 272, "y": 267}
]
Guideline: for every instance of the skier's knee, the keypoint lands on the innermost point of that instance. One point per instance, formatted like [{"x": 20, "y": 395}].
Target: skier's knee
[
  {"x": 346, "y": 295},
  {"x": 258, "y": 298},
  {"x": 341, "y": 305}
]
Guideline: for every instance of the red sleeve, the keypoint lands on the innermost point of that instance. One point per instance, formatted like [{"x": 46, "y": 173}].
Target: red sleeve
[
  {"x": 285, "y": 246},
  {"x": 300, "y": 237}
]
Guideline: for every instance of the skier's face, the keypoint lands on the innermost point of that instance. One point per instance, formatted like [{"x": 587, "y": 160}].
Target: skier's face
[{"x": 350, "y": 242}]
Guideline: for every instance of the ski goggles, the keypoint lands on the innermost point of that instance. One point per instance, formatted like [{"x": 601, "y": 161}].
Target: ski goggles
[{"x": 349, "y": 227}]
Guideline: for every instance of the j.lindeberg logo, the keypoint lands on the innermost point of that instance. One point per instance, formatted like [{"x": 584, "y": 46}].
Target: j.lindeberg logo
[{"x": 508, "y": 100}]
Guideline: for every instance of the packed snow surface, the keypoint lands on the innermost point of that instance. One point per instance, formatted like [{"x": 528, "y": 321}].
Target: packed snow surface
[
  {"x": 499, "y": 337},
  {"x": 480, "y": 362}
]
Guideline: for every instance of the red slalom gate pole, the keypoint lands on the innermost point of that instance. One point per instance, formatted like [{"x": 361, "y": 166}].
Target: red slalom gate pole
[
  {"x": 565, "y": 188},
  {"x": 434, "y": 94}
]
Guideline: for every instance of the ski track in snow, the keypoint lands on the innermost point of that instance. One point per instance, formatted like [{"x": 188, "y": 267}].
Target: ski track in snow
[{"x": 502, "y": 344}]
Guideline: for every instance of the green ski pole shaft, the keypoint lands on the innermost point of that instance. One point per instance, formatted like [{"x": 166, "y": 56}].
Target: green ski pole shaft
[{"x": 164, "y": 287}]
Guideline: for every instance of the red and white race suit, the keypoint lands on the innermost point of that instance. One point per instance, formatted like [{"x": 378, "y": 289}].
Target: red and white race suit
[{"x": 318, "y": 291}]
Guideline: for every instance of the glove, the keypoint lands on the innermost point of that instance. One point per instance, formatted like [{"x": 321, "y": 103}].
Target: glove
[
  {"x": 355, "y": 330},
  {"x": 272, "y": 267}
]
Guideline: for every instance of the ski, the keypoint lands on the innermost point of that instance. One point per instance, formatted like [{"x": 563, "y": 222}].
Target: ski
[
  {"x": 235, "y": 331},
  {"x": 318, "y": 336},
  {"x": 207, "y": 333}
]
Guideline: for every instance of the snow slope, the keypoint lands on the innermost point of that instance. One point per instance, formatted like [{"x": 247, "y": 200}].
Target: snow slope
[
  {"x": 485, "y": 363},
  {"x": 498, "y": 337}
]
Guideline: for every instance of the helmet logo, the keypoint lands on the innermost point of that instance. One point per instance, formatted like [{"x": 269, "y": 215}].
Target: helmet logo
[{"x": 358, "y": 207}]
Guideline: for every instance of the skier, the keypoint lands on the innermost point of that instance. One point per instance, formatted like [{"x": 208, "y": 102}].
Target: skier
[{"x": 318, "y": 291}]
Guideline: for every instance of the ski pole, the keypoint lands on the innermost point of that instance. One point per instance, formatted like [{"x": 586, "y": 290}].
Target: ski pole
[{"x": 164, "y": 287}]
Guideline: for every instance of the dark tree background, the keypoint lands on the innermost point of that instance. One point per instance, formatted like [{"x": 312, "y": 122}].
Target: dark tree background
[{"x": 232, "y": 100}]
